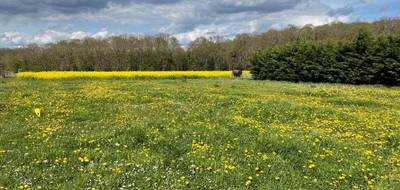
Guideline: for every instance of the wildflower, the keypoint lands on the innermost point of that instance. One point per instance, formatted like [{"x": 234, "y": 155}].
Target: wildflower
[
  {"x": 264, "y": 157},
  {"x": 84, "y": 160},
  {"x": 248, "y": 182},
  {"x": 311, "y": 166},
  {"x": 229, "y": 167},
  {"x": 369, "y": 153},
  {"x": 38, "y": 112},
  {"x": 116, "y": 170}
]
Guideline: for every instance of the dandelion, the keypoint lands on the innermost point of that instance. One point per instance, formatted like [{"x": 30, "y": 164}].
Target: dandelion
[
  {"x": 38, "y": 112},
  {"x": 65, "y": 160},
  {"x": 248, "y": 182},
  {"x": 369, "y": 153},
  {"x": 116, "y": 170},
  {"x": 229, "y": 167},
  {"x": 84, "y": 160}
]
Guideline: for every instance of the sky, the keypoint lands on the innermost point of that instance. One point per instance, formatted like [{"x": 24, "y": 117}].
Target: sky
[{"x": 25, "y": 22}]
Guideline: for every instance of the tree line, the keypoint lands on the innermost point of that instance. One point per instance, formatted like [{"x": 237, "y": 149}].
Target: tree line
[
  {"x": 163, "y": 52},
  {"x": 364, "y": 60}
]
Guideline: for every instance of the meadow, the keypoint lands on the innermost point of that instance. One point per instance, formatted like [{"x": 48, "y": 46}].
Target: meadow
[{"x": 209, "y": 133}]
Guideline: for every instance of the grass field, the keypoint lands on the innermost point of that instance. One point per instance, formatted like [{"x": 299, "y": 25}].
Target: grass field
[{"x": 121, "y": 133}]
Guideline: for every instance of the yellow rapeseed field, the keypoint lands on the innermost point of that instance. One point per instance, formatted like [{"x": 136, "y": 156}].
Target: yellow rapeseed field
[{"x": 133, "y": 74}]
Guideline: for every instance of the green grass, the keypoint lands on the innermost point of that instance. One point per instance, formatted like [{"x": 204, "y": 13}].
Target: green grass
[{"x": 197, "y": 134}]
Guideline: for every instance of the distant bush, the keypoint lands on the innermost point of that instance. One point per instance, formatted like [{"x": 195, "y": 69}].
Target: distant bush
[{"x": 365, "y": 60}]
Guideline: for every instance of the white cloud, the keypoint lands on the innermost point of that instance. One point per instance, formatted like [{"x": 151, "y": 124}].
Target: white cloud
[
  {"x": 184, "y": 19},
  {"x": 230, "y": 25},
  {"x": 16, "y": 39},
  {"x": 11, "y": 37},
  {"x": 100, "y": 35},
  {"x": 49, "y": 36},
  {"x": 192, "y": 35},
  {"x": 79, "y": 35}
]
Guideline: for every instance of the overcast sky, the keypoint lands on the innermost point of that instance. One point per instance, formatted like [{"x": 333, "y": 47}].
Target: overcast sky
[{"x": 44, "y": 21}]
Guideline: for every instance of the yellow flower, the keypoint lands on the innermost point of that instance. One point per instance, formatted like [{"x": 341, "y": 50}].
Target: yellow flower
[
  {"x": 248, "y": 182},
  {"x": 311, "y": 166},
  {"x": 84, "y": 160},
  {"x": 38, "y": 112},
  {"x": 65, "y": 160},
  {"x": 369, "y": 153}
]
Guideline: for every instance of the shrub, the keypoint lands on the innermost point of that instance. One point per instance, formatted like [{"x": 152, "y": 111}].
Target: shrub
[{"x": 363, "y": 61}]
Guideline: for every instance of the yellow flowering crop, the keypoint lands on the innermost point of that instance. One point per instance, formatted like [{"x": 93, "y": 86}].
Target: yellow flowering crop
[{"x": 132, "y": 74}]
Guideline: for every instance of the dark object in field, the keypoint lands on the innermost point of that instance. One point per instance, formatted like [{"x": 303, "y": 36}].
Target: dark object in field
[{"x": 237, "y": 73}]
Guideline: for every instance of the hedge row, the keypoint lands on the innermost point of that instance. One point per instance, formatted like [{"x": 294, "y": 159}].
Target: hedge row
[{"x": 365, "y": 60}]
